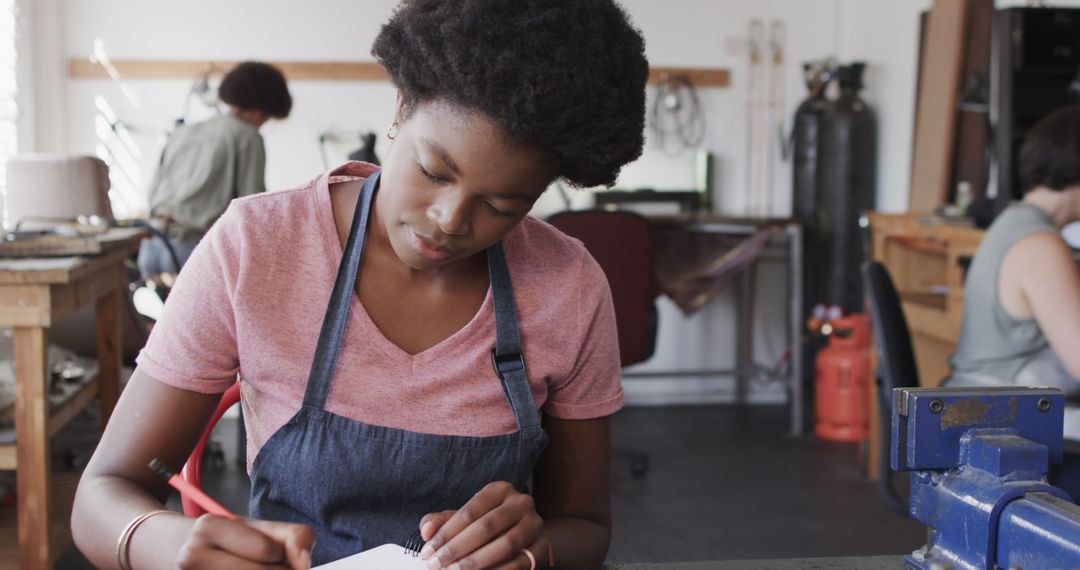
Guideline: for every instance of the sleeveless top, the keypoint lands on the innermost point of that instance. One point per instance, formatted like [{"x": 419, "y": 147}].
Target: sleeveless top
[{"x": 992, "y": 343}]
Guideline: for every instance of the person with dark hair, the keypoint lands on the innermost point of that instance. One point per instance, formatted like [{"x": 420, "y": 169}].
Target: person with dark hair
[
  {"x": 205, "y": 165},
  {"x": 417, "y": 357},
  {"x": 1021, "y": 321}
]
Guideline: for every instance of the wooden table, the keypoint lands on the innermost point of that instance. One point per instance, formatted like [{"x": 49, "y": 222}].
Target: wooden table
[
  {"x": 923, "y": 256},
  {"x": 34, "y": 294},
  {"x": 887, "y": 562}
]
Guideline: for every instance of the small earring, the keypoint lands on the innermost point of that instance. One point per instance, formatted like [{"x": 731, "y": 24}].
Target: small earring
[{"x": 391, "y": 131}]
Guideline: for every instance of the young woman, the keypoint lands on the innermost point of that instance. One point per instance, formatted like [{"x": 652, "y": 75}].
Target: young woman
[
  {"x": 414, "y": 353},
  {"x": 207, "y": 164},
  {"x": 1022, "y": 293}
]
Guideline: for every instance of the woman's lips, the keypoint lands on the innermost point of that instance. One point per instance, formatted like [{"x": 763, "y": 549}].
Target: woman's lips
[{"x": 426, "y": 250}]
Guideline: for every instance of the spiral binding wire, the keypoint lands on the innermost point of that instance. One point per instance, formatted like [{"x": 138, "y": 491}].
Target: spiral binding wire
[{"x": 414, "y": 544}]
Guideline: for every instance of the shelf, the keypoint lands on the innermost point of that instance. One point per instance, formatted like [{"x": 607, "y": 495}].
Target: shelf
[
  {"x": 925, "y": 245},
  {"x": 929, "y": 320},
  {"x": 60, "y": 414},
  {"x": 936, "y": 301},
  {"x": 86, "y": 68}
]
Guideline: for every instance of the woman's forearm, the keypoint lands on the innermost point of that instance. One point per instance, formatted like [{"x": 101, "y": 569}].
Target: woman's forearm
[
  {"x": 104, "y": 505},
  {"x": 577, "y": 541}
]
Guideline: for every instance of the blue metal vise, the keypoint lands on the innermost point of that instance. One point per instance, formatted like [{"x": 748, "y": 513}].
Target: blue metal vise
[{"x": 979, "y": 457}]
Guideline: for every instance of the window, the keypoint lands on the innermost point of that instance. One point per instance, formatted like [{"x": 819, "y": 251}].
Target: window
[{"x": 8, "y": 109}]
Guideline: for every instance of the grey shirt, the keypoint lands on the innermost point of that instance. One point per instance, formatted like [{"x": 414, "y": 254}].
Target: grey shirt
[
  {"x": 992, "y": 343},
  {"x": 203, "y": 167}
]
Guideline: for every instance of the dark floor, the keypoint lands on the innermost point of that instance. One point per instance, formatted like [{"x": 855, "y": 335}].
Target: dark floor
[
  {"x": 724, "y": 482},
  {"x": 727, "y": 482}
]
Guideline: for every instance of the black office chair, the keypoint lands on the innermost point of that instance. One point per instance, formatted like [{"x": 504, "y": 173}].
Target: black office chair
[
  {"x": 896, "y": 368},
  {"x": 621, "y": 243}
]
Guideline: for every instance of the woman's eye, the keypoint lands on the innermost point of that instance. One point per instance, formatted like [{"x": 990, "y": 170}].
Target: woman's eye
[
  {"x": 499, "y": 212},
  {"x": 429, "y": 175}
]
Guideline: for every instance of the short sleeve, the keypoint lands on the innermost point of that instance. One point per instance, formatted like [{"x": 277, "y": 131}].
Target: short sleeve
[
  {"x": 594, "y": 386},
  {"x": 193, "y": 345}
]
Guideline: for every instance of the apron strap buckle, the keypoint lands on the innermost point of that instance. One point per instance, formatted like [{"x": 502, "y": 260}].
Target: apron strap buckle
[{"x": 507, "y": 363}]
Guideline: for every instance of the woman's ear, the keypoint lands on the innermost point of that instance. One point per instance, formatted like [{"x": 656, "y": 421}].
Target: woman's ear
[{"x": 399, "y": 109}]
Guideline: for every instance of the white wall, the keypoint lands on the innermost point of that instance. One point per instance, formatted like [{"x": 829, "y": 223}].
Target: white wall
[
  {"x": 680, "y": 33},
  {"x": 707, "y": 33}
]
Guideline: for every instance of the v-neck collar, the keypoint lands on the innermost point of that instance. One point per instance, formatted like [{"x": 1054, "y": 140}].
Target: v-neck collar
[{"x": 358, "y": 315}]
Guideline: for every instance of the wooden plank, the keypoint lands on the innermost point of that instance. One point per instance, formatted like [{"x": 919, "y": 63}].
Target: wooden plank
[
  {"x": 39, "y": 271},
  {"x": 25, "y": 305},
  {"x": 109, "y": 350},
  {"x": 700, "y": 77},
  {"x": 85, "y": 243},
  {"x": 935, "y": 124},
  {"x": 49, "y": 270},
  {"x": 62, "y": 496},
  {"x": 85, "y": 68},
  {"x": 972, "y": 130},
  {"x": 930, "y": 321},
  {"x": 32, "y": 441},
  {"x": 35, "y": 271},
  {"x": 61, "y": 415},
  {"x": 873, "y": 434},
  {"x": 8, "y": 457},
  {"x": 68, "y": 298},
  {"x": 931, "y": 358}
]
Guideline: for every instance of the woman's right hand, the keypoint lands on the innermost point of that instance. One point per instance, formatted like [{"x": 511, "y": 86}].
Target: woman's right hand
[{"x": 217, "y": 542}]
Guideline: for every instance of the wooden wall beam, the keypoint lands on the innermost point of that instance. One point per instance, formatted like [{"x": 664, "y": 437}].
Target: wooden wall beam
[{"x": 85, "y": 68}]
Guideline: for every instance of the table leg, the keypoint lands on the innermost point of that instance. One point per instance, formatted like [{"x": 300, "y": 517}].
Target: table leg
[
  {"x": 795, "y": 324},
  {"x": 745, "y": 366},
  {"x": 32, "y": 446},
  {"x": 109, "y": 351}
]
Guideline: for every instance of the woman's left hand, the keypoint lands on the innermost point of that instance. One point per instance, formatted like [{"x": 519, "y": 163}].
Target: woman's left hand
[{"x": 490, "y": 531}]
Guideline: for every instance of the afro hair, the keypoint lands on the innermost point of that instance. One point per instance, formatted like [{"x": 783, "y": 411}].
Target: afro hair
[
  {"x": 256, "y": 85},
  {"x": 565, "y": 76}
]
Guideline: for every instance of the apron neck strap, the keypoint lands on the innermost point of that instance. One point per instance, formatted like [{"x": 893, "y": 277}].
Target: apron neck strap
[
  {"x": 507, "y": 356},
  {"x": 337, "y": 310}
]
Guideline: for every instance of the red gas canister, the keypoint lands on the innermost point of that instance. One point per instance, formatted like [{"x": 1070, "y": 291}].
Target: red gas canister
[{"x": 842, "y": 379}]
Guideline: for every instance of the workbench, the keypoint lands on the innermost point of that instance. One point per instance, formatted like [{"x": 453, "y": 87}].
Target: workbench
[
  {"x": 784, "y": 243},
  {"x": 888, "y": 562},
  {"x": 36, "y": 293}
]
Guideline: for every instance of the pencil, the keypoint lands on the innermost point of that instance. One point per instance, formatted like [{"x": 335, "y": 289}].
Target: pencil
[{"x": 190, "y": 491}]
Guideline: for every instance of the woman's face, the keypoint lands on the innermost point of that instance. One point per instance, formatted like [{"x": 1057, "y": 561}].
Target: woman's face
[{"x": 453, "y": 184}]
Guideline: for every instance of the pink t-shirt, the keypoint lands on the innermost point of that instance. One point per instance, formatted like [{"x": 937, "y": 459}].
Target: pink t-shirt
[{"x": 251, "y": 300}]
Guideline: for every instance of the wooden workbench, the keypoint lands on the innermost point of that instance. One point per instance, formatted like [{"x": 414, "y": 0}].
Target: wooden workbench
[
  {"x": 923, "y": 256},
  {"x": 888, "y": 562},
  {"x": 923, "y": 259},
  {"x": 35, "y": 293}
]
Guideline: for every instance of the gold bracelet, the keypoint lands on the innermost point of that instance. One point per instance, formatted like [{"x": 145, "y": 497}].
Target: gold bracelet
[{"x": 122, "y": 557}]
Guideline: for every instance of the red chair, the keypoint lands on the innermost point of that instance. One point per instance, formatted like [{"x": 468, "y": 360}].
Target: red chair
[
  {"x": 621, "y": 243},
  {"x": 192, "y": 472}
]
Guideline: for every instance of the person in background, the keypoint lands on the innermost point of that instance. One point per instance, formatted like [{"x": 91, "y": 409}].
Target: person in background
[
  {"x": 206, "y": 165},
  {"x": 1021, "y": 323},
  {"x": 417, "y": 356}
]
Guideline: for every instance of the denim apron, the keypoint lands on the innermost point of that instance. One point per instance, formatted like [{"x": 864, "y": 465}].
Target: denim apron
[{"x": 360, "y": 485}]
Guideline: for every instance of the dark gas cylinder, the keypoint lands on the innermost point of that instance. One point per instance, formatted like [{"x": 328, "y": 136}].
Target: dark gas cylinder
[
  {"x": 806, "y": 149},
  {"x": 848, "y": 174}
]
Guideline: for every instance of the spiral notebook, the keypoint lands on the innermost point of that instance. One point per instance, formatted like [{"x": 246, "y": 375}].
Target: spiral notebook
[{"x": 385, "y": 557}]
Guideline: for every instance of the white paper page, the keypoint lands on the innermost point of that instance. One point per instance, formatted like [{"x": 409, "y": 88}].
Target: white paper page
[{"x": 385, "y": 557}]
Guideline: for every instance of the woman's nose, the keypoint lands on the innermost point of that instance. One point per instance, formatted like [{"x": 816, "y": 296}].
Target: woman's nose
[{"x": 450, "y": 212}]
